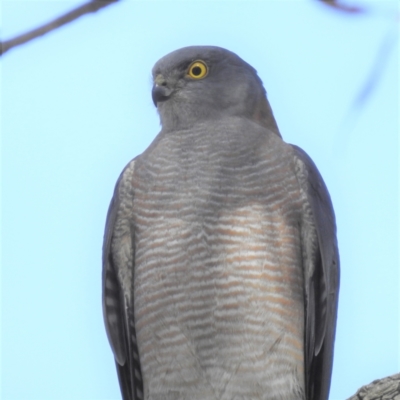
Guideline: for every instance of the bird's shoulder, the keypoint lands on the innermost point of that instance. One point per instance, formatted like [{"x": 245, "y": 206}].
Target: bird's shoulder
[{"x": 123, "y": 187}]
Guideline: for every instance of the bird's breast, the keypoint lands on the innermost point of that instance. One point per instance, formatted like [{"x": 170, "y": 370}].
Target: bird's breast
[{"x": 218, "y": 282}]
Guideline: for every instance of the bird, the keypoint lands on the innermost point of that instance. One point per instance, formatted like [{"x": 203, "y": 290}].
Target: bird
[{"x": 220, "y": 257}]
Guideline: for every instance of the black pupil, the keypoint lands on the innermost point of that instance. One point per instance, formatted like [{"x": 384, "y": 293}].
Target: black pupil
[{"x": 196, "y": 71}]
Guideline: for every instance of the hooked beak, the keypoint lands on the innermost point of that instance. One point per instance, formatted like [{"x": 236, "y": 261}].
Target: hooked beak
[{"x": 160, "y": 91}]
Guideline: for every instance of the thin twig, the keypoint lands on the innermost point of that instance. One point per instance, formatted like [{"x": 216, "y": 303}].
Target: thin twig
[
  {"x": 344, "y": 7},
  {"x": 376, "y": 71},
  {"x": 91, "y": 6},
  {"x": 379, "y": 64}
]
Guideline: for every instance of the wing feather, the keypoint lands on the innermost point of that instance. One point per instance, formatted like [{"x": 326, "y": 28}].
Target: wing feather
[
  {"x": 112, "y": 302},
  {"x": 117, "y": 288},
  {"x": 321, "y": 280}
]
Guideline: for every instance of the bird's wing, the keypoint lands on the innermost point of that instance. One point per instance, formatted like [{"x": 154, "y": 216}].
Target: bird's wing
[
  {"x": 118, "y": 287},
  {"x": 321, "y": 277}
]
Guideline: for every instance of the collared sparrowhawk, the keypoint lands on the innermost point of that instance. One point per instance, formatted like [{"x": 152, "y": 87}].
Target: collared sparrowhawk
[{"x": 220, "y": 259}]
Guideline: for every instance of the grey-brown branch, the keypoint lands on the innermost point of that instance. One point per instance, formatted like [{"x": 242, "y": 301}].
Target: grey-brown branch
[{"x": 90, "y": 7}]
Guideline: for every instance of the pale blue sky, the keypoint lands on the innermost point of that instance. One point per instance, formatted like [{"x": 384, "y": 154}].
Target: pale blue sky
[{"x": 76, "y": 107}]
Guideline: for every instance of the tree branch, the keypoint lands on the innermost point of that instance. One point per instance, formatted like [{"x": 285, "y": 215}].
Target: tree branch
[
  {"x": 343, "y": 7},
  {"x": 381, "y": 389},
  {"x": 91, "y": 6}
]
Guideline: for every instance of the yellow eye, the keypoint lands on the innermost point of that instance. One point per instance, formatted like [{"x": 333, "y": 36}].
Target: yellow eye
[{"x": 197, "y": 70}]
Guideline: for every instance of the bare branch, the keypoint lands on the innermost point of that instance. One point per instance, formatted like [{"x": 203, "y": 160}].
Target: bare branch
[
  {"x": 381, "y": 60},
  {"x": 387, "y": 388},
  {"x": 376, "y": 71},
  {"x": 91, "y": 6},
  {"x": 344, "y": 7}
]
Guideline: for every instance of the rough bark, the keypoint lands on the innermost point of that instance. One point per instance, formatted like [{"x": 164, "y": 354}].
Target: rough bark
[{"x": 381, "y": 389}]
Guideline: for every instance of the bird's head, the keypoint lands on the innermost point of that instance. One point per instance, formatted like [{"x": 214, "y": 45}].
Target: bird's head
[{"x": 199, "y": 83}]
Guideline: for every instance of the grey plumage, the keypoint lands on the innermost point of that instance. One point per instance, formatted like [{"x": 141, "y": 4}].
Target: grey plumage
[{"x": 220, "y": 262}]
